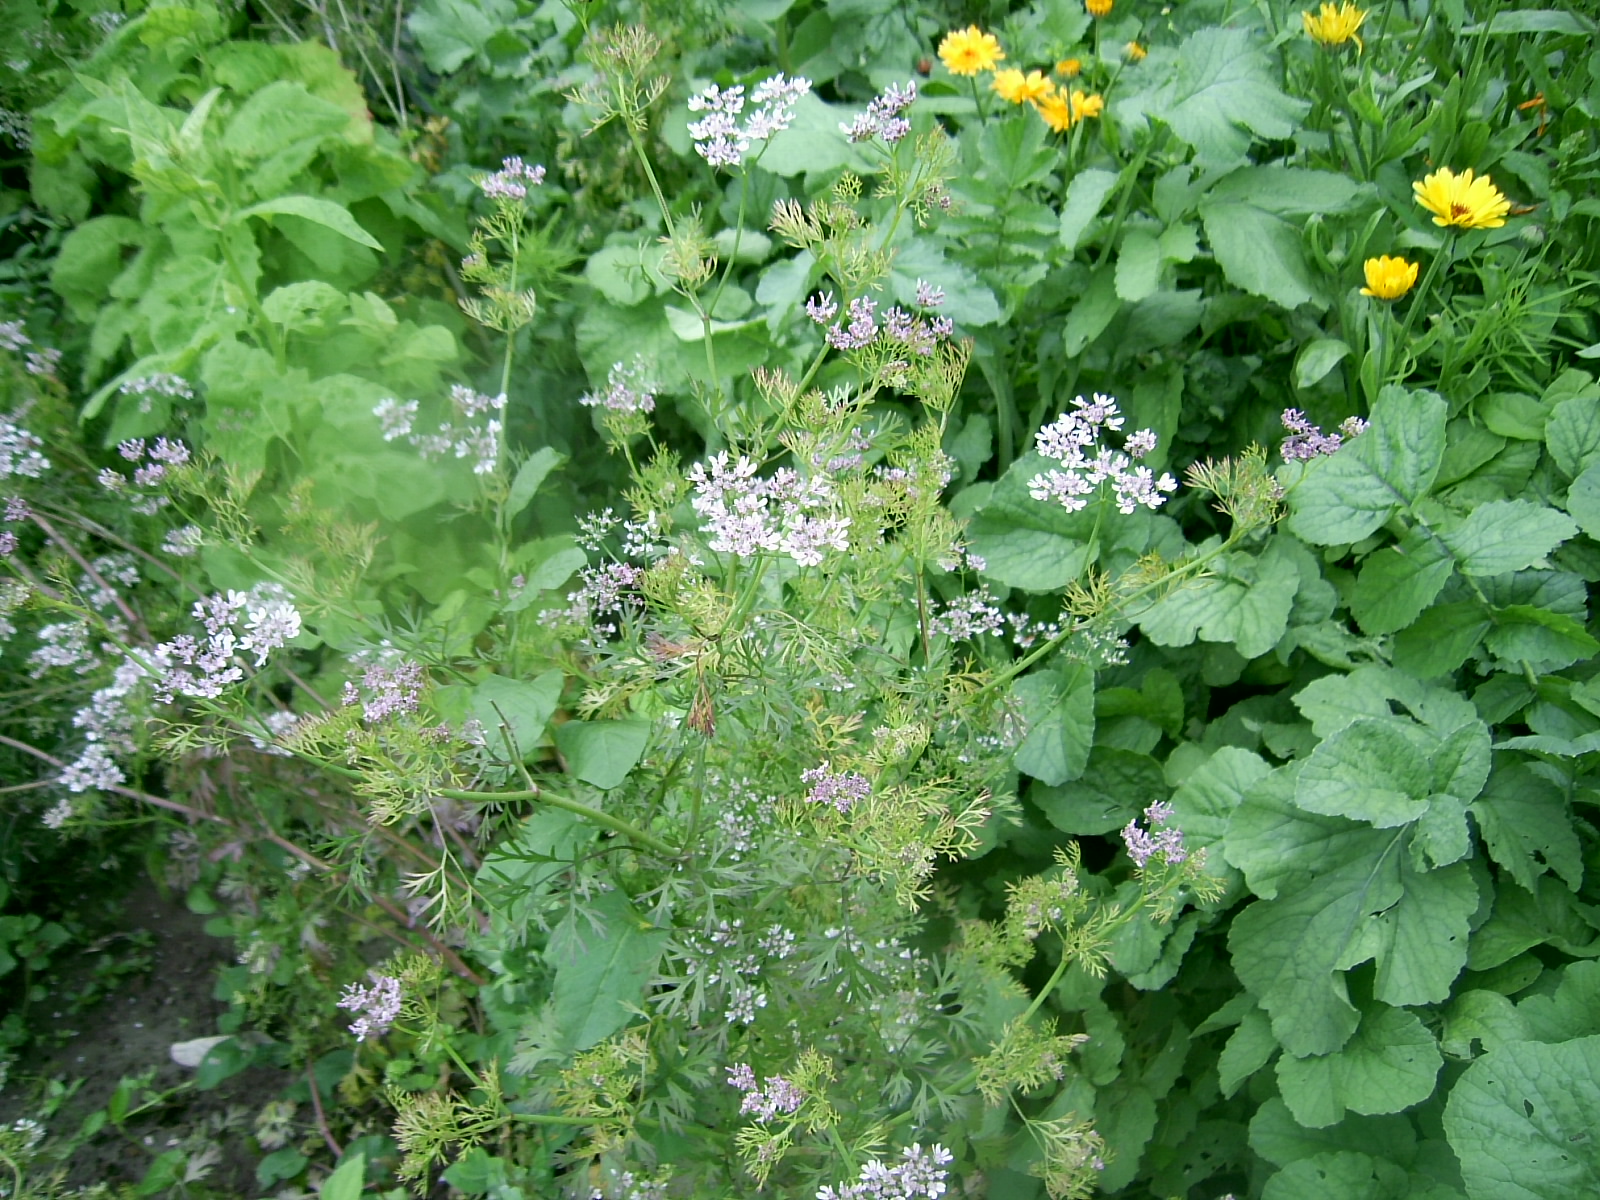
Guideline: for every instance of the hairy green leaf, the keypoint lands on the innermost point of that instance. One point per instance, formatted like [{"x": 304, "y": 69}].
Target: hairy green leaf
[
  {"x": 1345, "y": 496},
  {"x": 1389, "y": 1064},
  {"x": 1507, "y": 535},
  {"x": 1521, "y": 1120}
]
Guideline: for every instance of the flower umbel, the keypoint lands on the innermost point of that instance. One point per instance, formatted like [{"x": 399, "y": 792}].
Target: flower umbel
[
  {"x": 1389, "y": 278},
  {"x": 1334, "y": 25},
  {"x": 1462, "y": 200},
  {"x": 970, "y": 50}
]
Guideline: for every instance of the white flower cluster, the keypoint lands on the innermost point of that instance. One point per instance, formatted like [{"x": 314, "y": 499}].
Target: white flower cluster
[
  {"x": 19, "y": 450},
  {"x": 882, "y": 118},
  {"x": 918, "y": 1173},
  {"x": 174, "y": 387},
  {"x": 512, "y": 180},
  {"x": 378, "y": 1005},
  {"x": 629, "y": 389},
  {"x": 1073, "y": 440},
  {"x": 149, "y": 477},
  {"x": 788, "y": 513},
  {"x": 462, "y": 434},
  {"x": 720, "y": 139},
  {"x": 261, "y": 620}
]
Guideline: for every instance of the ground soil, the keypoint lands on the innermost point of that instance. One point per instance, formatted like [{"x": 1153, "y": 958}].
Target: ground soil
[{"x": 128, "y": 1032}]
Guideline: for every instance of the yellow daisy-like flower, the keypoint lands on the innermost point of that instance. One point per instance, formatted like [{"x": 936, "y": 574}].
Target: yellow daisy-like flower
[
  {"x": 1016, "y": 88},
  {"x": 1388, "y": 278},
  {"x": 1056, "y": 110},
  {"x": 1084, "y": 106},
  {"x": 1461, "y": 200},
  {"x": 1334, "y": 25},
  {"x": 1098, "y": 8},
  {"x": 1069, "y": 67},
  {"x": 1134, "y": 51},
  {"x": 970, "y": 50}
]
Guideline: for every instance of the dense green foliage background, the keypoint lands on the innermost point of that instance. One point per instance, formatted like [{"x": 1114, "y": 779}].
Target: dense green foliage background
[{"x": 1362, "y": 682}]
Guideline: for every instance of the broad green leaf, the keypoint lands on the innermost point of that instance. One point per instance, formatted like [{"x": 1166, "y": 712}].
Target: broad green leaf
[
  {"x": 812, "y": 142},
  {"x": 1546, "y": 641},
  {"x": 301, "y": 305},
  {"x": 1440, "y": 640},
  {"x": 1507, "y": 535},
  {"x": 319, "y": 212},
  {"x": 1244, "y": 601},
  {"x": 450, "y": 32},
  {"x": 601, "y": 975},
  {"x": 1247, "y": 1051},
  {"x": 1522, "y": 919},
  {"x": 1535, "y": 20},
  {"x": 1341, "y": 894},
  {"x": 530, "y": 477},
  {"x": 1059, "y": 708},
  {"x": 1338, "y": 1175},
  {"x": 1289, "y": 191},
  {"x": 1205, "y": 801},
  {"x": 1374, "y": 770},
  {"x": 1026, "y": 543},
  {"x": 1259, "y": 252},
  {"x": 1479, "y": 1016},
  {"x": 1390, "y": 1064},
  {"x": 1224, "y": 90},
  {"x": 1115, "y": 786},
  {"x": 279, "y": 116},
  {"x": 1096, "y": 308},
  {"x": 1086, "y": 195},
  {"x": 620, "y": 272},
  {"x": 1332, "y": 702},
  {"x": 515, "y": 711},
  {"x": 1125, "y": 1115},
  {"x": 1277, "y": 1137},
  {"x": 90, "y": 258},
  {"x": 1583, "y": 500},
  {"x": 1522, "y": 1122},
  {"x": 1316, "y": 359},
  {"x": 346, "y": 1181},
  {"x": 1571, "y": 1011},
  {"x": 1345, "y": 496},
  {"x": 1573, "y": 433},
  {"x": 1399, "y": 581},
  {"x": 1527, "y": 825},
  {"x": 967, "y": 299},
  {"x": 1138, "y": 266},
  {"x": 602, "y": 752}
]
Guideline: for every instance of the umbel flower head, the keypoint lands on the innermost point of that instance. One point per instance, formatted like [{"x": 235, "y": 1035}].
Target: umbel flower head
[
  {"x": 970, "y": 50},
  {"x": 1389, "y": 278},
  {"x": 1334, "y": 25},
  {"x": 1462, "y": 201}
]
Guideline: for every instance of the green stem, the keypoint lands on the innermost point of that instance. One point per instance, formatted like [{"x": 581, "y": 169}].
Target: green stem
[{"x": 1419, "y": 299}]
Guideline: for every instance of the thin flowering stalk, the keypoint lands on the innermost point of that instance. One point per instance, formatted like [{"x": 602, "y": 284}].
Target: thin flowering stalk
[{"x": 135, "y": 621}]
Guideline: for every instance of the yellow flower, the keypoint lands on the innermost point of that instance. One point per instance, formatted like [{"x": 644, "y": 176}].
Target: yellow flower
[
  {"x": 1098, "y": 8},
  {"x": 1069, "y": 67},
  {"x": 970, "y": 50},
  {"x": 1017, "y": 88},
  {"x": 1389, "y": 278},
  {"x": 1333, "y": 26},
  {"x": 1461, "y": 200},
  {"x": 1056, "y": 111},
  {"x": 1084, "y": 107},
  {"x": 1135, "y": 51}
]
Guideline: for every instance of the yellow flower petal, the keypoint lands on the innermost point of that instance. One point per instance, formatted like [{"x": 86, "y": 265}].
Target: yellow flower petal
[
  {"x": 1333, "y": 26},
  {"x": 970, "y": 50},
  {"x": 1388, "y": 278},
  {"x": 1461, "y": 200}
]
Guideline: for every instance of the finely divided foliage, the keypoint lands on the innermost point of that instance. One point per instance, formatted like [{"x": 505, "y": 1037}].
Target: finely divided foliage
[{"x": 1019, "y": 631}]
